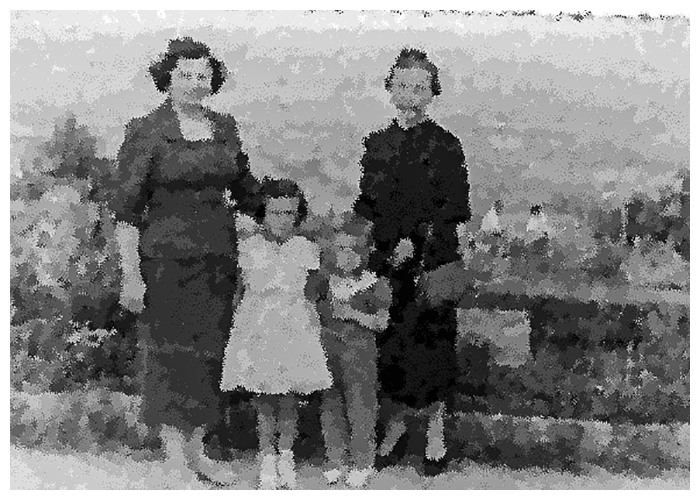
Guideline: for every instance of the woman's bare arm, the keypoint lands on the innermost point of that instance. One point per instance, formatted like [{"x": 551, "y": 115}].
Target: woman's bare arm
[{"x": 133, "y": 288}]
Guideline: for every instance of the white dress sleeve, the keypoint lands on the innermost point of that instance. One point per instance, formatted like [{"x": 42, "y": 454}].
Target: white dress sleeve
[{"x": 252, "y": 252}]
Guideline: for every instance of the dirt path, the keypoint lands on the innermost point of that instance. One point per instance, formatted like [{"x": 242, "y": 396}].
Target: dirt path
[{"x": 35, "y": 469}]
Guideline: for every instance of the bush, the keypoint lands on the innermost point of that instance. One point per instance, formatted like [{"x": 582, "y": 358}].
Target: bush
[
  {"x": 64, "y": 276},
  {"x": 657, "y": 265},
  {"x": 97, "y": 420},
  {"x": 88, "y": 420},
  {"x": 643, "y": 384},
  {"x": 564, "y": 443},
  {"x": 666, "y": 220},
  {"x": 605, "y": 362},
  {"x": 564, "y": 251}
]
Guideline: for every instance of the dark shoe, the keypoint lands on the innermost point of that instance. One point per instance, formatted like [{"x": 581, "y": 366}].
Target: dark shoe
[
  {"x": 216, "y": 450},
  {"x": 432, "y": 468}
]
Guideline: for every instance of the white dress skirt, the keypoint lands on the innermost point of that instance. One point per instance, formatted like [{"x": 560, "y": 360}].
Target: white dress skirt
[{"x": 275, "y": 345}]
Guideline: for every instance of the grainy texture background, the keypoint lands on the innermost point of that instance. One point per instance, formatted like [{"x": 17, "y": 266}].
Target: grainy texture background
[{"x": 576, "y": 126}]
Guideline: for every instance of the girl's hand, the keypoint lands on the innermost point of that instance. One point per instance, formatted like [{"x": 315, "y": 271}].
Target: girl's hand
[{"x": 246, "y": 225}]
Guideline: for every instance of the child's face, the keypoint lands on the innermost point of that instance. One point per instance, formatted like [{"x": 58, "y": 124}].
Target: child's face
[
  {"x": 348, "y": 253},
  {"x": 346, "y": 257},
  {"x": 280, "y": 216}
]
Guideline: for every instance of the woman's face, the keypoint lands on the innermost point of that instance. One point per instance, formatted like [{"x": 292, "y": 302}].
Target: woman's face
[
  {"x": 410, "y": 89},
  {"x": 280, "y": 216},
  {"x": 191, "y": 80}
]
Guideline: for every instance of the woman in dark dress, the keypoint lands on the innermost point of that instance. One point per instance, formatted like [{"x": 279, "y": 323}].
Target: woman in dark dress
[
  {"x": 415, "y": 190},
  {"x": 179, "y": 166}
]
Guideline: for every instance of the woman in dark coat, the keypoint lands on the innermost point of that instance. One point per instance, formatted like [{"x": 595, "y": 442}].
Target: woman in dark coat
[
  {"x": 415, "y": 190},
  {"x": 179, "y": 167}
]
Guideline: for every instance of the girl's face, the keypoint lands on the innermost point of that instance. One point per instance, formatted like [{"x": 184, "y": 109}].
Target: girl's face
[
  {"x": 280, "y": 216},
  {"x": 410, "y": 89},
  {"x": 191, "y": 80}
]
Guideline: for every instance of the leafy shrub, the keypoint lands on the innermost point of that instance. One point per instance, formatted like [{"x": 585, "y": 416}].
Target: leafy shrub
[
  {"x": 86, "y": 420},
  {"x": 565, "y": 443},
  {"x": 64, "y": 276},
  {"x": 638, "y": 384},
  {"x": 610, "y": 362},
  {"x": 98, "y": 420},
  {"x": 666, "y": 220},
  {"x": 656, "y": 265},
  {"x": 565, "y": 248}
]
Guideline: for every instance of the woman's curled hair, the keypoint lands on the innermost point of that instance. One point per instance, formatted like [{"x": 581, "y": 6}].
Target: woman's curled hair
[{"x": 186, "y": 48}]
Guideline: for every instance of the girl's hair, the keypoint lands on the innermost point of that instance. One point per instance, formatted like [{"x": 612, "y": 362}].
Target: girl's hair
[
  {"x": 414, "y": 58},
  {"x": 283, "y": 188},
  {"x": 186, "y": 48}
]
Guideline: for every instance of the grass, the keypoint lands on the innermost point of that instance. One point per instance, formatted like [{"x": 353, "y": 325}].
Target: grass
[{"x": 40, "y": 469}]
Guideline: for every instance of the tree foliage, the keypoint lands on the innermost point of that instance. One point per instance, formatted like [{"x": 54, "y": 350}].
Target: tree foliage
[{"x": 64, "y": 277}]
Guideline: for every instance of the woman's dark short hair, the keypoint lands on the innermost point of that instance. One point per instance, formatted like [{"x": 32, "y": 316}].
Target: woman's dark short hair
[
  {"x": 414, "y": 58},
  {"x": 283, "y": 188},
  {"x": 186, "y": 48}
]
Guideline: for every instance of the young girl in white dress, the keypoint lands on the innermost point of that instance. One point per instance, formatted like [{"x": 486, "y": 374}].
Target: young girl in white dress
[{"x": 275, "y": 349}]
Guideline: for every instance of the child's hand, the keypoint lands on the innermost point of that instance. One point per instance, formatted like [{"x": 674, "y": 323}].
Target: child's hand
[
  {"x": 377, "y": 321},
  {"x": 344, "y": 288},
  {"x": 369, "y": 306}
]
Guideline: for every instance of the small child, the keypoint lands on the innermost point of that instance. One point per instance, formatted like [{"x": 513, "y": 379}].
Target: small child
[
  {"x": 275, "y": 347},
  {"x": 353, "y": 304}
]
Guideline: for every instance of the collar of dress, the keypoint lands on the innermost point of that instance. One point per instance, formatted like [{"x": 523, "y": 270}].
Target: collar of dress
[{"x": 169, "y": 124}]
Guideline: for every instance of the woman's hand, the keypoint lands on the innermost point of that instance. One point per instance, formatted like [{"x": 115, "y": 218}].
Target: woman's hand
[
  {"x": 403, "y": 251},
  {"x": 133, "y": 287}
]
